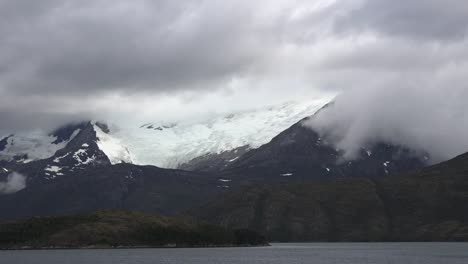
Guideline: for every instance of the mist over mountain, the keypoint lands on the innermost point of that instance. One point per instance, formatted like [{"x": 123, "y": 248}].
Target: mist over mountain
[
  {"x": 13, "y": 183},
  {"x": 429, "y": 118}
]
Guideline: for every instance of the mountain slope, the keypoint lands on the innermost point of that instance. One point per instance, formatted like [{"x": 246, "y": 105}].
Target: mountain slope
[
  {"x": 91, "y": 169},
  {"x": 81, "y": 178},
  {"x": 249, "y": 143},
  {"x": 120, "y": 186},
  {"x": 179, "y": 144},
  {"x": 427, "y": 205},
  {"x": 300, "y": 153},
  {"x": 76, "y": 149},
  {"x": 36, "y": 145}
]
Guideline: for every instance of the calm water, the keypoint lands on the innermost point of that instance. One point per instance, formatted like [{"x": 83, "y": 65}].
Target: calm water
[{"x": 310, "y": 253}]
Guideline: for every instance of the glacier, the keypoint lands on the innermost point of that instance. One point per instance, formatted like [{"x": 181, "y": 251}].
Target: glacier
[{"x": 169, "y": 145}]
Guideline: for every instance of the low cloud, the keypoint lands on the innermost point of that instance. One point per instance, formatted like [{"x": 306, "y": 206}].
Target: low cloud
[
  {"x": 425, "y": 117},
  {"x": 416, "y": 19},
  {"x": 15, "y": 182},
  {"x": 402, "y": 71}
]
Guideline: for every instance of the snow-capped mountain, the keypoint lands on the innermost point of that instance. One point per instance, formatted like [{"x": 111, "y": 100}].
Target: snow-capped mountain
[
  {"x": 32, "y": 146},
  {"x": 85, "y": 166},
  {"x": 46, "y": 158},
  {"x": 302, "y": 153},
  {"x": 170, "y": 145},
  {"x": 267, "y": 141}
]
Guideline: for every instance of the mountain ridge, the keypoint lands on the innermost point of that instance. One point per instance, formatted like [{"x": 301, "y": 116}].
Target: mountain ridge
[{"x": 82, "y": 177}]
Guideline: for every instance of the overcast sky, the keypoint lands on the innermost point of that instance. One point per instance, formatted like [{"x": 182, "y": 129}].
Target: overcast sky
[{"x": 65, "y": 60}]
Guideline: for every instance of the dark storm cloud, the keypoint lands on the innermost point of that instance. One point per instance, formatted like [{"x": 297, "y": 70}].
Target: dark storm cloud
[
  {"x": 18, "y": 121},
  {"x": 62, "y": 57},
  {"x": 77, "y": 47},
  {"x": 415, "y": 19}
]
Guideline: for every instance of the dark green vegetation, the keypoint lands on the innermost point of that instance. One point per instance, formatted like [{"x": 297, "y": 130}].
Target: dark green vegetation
[
  {"x": 427, "y": 205},
  {"x": 105, "y": 229}
]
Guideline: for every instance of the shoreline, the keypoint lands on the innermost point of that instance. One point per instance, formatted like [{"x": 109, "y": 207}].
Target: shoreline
[{"x": 129, "y": 247}]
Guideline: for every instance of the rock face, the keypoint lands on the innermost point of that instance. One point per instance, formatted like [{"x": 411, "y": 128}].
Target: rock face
[
  {"x": 301, "y": 154},
  {"x": 4, "y": 143},
  {"x": 80, "y": 178},
  {"x": 427, "y": 205},
  {"x": 215, "y": 162},
  {"x": 78, "y": 151},
  {"x": 121, "y": 186},
  {"x": 105, "y": 229}
]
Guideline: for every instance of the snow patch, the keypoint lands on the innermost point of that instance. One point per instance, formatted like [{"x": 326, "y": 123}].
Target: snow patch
[
  {"x": 53, "y": 168},
  {"x": 234, "y": 159},
  {"x": 35, "y": 145},
  {"x": 53, "y": 172},
  {"x": 112, "y": 147},
  {"x": 130, "y": 176},
  {"x": 50, "y": 177},
  {"x": 25, "y": 160},
  {"x": 82, "y": 152},
  {"x": 57, "y": 160},
  {"x": 286, "y": 174},
  {"x": 224, "y": 180}
]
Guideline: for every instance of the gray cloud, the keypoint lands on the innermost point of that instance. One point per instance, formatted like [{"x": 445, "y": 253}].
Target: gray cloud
[
  {"x": 423, "y": 116},
  {"x": 70, "y": 60},
  {"x": 54, "y": 54},
  {"x": 17, "y": 121},
  {"x": 415, "y": 19},
  {"x": 403, "y": 77},
  {"x": 77, "y": 47}
]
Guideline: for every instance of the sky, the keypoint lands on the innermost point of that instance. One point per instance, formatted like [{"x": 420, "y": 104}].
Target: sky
[{"x": 63, "y": 60}]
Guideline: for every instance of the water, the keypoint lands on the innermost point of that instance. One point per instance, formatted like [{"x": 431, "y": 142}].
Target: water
[{"x": 291, "y": 253}]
